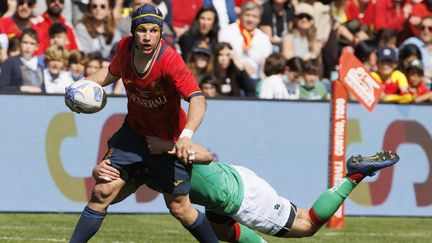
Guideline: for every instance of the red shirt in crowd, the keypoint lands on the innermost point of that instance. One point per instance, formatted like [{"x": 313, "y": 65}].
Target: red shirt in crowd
[
  {"x": 418, "y": 12},
  {"x": 421, "y": 89},
  {"x": 44, "y": 22},
  {"x": 366, "y": 17},
  {"x": 154, "y": 97},
  {"x": 8, "y": 26},
  {"x": 183, "y": 16},
  {"x": 388, "y": 17}
]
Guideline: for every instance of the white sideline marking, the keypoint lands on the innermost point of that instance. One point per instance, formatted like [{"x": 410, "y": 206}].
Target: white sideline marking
[
  {"x": 404, "y": 234},
  {"x": 32, "y": 239}
]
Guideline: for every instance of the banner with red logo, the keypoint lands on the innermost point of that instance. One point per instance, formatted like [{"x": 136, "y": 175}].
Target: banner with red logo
[
  {"x": 337, "y": 145},
  {"x": 359, "y": 81}
]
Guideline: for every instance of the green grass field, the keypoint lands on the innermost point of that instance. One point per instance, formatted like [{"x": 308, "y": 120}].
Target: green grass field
[{"x": 25, "y": 227}]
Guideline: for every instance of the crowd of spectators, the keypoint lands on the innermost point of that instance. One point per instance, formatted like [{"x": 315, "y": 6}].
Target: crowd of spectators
[{"x": 269, "y": 49}]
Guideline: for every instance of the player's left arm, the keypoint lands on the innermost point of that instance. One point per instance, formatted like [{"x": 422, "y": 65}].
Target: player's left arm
[
  {"x": 187, "y": 86},
  {"x": 196, "y": 112}
]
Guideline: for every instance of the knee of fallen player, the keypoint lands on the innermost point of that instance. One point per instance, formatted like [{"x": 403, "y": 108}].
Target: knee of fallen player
[{"x": 303, "y": 225}]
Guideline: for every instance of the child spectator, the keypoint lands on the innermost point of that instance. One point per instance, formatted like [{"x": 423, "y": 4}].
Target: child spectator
[
  {"x": 294, "y": 69},
  {"x": 365, "y": 51},
  {"x": 394, "y": 82},
  {"x": 56, "y": 79},
  {"x": 313, "y": 88},
  {"x": 58, "y": 35},
  {"x": 76, "y": 64},
  {"x": 22, "y": 73},
  {"x": 209, "y": 86},
  {"x": 93, "y": 63},
  {"x": 407, "y": 54},
  {"x": 417, "y": 87},
  {"x": 273, "y": 86},
  {"x": 386, "y": 38}
]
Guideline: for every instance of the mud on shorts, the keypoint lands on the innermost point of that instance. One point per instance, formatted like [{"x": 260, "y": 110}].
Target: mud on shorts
[{"x": 129, "y": 153}]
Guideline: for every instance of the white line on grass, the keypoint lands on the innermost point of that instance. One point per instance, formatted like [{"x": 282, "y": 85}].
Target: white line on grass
[
  {"x": 402, "y": 234},
  {"x": 32, "y": 239}
]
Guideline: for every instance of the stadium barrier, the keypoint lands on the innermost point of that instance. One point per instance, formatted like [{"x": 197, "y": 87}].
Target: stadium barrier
[{"x": 47, "y": 152}]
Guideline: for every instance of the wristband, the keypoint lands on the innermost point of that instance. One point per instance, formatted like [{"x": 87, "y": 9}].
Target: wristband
[{"x": 186, "y": 133}]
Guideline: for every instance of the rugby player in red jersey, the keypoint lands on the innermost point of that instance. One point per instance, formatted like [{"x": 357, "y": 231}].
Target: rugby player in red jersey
[{"x": 155, "y": 77}]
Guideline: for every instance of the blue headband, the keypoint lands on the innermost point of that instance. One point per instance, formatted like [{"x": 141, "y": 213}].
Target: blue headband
[{"x": 146, "y": 14}]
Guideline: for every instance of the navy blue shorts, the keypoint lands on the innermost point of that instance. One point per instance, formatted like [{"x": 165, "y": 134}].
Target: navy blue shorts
[{"x": 129, "y": 153}]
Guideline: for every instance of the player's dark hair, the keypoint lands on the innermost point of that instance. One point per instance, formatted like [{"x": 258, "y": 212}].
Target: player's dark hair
[{"x": 57, "y": 28}]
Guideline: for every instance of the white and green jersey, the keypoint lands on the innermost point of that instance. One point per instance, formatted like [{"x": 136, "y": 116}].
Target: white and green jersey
[
  {"x": 218, "y": 186},
  {"x": 238, "y": 192}
]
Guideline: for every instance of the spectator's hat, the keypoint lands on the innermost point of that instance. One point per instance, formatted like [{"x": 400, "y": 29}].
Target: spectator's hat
[
  {"x": 202, "y": 47},
  {"x": 387, "y": 53},
  {"x": 146, "y": 14},
  {"x": 415, "y": 64},
  {"x": 304, "y": 8},
  {"x": 4, "y": 42}
]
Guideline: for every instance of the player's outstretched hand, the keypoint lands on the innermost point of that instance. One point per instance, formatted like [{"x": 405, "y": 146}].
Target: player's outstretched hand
[
  {"x": 104, "y": 172},
  {"x": 69, "y": 100},
  {"x": 184, "y": 151}
]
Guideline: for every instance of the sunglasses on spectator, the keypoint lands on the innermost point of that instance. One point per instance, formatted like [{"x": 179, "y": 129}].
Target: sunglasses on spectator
[
  {"x": 95, "y": 6},
  {"x": 302, "y": 16},
  {"x": 53, "y": 1},
  {"x": 426, "y": 27},
  {"x": 29, "y": 3}
]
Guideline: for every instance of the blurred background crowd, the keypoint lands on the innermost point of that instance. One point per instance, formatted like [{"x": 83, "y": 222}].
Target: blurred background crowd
[{"x": 274, "y": 49}]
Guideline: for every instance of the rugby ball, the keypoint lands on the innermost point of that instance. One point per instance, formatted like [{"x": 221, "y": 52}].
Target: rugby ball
[{"x": 85, "y": 96}]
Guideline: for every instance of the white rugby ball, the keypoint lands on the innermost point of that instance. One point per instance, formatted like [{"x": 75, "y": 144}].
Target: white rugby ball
[{"x": 86, "y": 96}]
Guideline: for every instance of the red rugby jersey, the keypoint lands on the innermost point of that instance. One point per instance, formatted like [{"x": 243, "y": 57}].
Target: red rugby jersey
[{"x": 154, "y": 98}]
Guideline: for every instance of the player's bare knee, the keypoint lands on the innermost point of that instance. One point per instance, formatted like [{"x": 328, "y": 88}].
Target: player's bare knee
[
  {"x": 302, "y": 226},
  {"x": 177, "y": 209},
  {"x": 102, "y": 193}
]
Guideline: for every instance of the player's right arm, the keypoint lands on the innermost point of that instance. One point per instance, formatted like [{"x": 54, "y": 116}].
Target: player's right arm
[{"x": 103, "y": 77}]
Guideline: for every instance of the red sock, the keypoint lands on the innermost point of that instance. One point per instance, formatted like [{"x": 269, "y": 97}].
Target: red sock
[
  {"x": 315, "y": 219},
  {"x": 236, "y": 236},
  {"x": 357, "y": 177}
]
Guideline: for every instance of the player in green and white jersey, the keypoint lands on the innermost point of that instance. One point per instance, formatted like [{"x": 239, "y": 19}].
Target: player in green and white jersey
[{"x": 237, "y": 200}]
